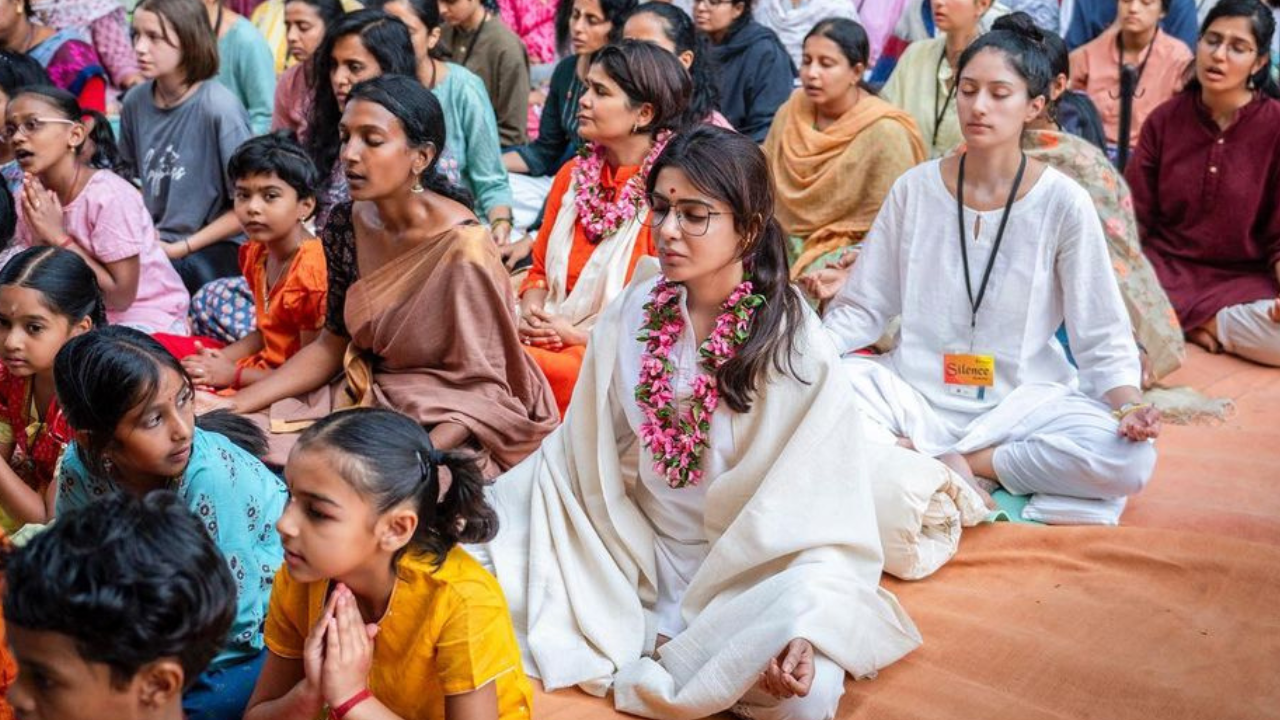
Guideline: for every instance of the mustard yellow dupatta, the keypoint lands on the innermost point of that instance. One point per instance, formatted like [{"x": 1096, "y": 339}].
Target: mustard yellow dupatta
[{"x": 832, "y": 182}]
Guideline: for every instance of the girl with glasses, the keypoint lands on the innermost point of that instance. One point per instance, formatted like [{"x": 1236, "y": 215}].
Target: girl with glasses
[
  {"x": 69, "y": 203},
  {"x": 595, "y": 233},
  {"x": 1205, "y": 179}
]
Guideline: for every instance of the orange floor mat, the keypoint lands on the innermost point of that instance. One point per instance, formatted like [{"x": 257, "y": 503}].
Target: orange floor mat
[{"x": 1171, "y": 616}]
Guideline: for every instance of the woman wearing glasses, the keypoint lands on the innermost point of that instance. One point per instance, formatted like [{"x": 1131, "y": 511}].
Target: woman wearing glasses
[
  {"x": 756, "y": 73},
  {"x": 1205, "y": 179},
  {"x": 594, "y": 231},
  {"x": 711, "y": 415},
  {"x": 1136, "y": 39},
  {"x": 66, "y": 202}
]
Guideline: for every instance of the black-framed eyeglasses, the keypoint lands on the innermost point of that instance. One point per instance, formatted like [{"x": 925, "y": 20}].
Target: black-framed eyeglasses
[{"x": 694, "y": 220}]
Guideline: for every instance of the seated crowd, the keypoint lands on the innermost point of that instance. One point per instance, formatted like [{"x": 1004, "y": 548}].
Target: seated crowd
[{"x": 371, "y": 359}]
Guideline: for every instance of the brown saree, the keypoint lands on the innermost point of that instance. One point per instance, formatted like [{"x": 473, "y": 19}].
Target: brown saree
[{"x": 433, "y": 336}]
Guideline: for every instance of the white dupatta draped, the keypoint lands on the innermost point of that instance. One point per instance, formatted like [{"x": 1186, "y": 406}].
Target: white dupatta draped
[
  {"x": 794, "y": 545},
  {"x": 602, "y": 278}
]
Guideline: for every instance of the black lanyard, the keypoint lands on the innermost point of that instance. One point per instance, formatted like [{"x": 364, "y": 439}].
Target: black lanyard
[
  {"x": 474, "y": 40},
  {"x": 964, "y": 250},
  {"x": 1142, "y": 67},
  {"x": 951, "y": 92}
]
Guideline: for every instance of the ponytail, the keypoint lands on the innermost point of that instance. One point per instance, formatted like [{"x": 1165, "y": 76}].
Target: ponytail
[
  {"x": 463, "y": 515},
  {"x": 389, "y": 459},
  {"x": 240, "y": 430}
]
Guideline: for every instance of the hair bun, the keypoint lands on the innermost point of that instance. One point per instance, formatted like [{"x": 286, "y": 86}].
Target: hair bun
[{"x": 1021, "y": 24}]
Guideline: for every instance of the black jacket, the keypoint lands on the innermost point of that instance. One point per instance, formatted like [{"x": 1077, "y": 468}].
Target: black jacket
[{"x": 756, "y": 77}]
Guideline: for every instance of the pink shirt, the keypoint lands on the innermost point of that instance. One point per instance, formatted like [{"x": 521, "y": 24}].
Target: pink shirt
[
  {"x": 1095, "y": 69},
  {"x": 110, "y": 222}
]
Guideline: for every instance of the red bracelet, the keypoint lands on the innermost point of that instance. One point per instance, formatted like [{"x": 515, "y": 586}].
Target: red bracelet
[
  {"x": 66, "y": 241},
  {"x": 341, "y": 711},
  {"x": 235, "y": 381}
]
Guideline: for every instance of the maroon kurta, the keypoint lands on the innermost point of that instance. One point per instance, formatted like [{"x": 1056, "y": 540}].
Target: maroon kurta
[{"x": 1208, "y": 204}]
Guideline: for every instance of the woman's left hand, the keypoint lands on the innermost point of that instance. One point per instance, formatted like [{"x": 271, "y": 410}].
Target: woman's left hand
[
  {"x": 790, "y": 674},
  {"x": 568, "y": 334},
  {"x": 43, "y": 211},
  {"x": 1141, "y": 424},
  {"x": 348, "y": 651}
]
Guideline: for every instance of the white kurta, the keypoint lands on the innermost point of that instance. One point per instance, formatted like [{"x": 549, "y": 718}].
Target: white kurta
[
  {"x": 1052, "y": 267},
  {"x": 676, "y": 513},
  {"x": 1053, "y": 434}
]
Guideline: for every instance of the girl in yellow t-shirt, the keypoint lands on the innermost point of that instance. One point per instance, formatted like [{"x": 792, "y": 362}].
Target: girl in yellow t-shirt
[{"x": 377, "y": 612}]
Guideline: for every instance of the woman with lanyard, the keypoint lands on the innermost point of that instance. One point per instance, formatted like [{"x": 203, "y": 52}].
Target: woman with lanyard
[
  {"x": 1135, "y": 40},
  {"x": 481, "y": 43},
  {"x": 978, "y": 379},
  {"x": 922, "y": 82}
]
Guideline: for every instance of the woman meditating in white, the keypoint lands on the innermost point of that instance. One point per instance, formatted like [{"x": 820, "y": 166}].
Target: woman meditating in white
[
  {"x": 977, "y": 378},
  {"x": 699, "y": 535}
]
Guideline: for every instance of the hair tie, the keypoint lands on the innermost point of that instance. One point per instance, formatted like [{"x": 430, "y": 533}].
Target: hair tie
[{"x": 429, "y": 462}]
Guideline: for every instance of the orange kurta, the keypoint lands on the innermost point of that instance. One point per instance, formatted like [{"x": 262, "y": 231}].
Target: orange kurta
[
  {"x": 561, "y": 367},
  {"x": 295, "y": 305}
]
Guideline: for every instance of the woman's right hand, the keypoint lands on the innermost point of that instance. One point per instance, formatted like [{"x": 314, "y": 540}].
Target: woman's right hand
[{"x": 790, "y": 674}]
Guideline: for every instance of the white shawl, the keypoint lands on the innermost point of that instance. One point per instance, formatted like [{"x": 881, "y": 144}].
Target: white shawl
[
  {"x": 603, "y": 277},
  {"x": 794, "y": 549}
]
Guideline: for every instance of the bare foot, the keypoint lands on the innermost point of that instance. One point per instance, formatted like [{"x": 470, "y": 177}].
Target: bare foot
[{"x": 1206, "y": 336}]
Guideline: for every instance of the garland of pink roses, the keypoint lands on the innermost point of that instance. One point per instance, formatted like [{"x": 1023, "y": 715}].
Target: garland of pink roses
[
  {"x": 600, "y": 215},
  {"x": 677, "y": 439}
]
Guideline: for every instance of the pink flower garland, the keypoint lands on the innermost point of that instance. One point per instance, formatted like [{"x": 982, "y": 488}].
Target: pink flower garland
[
  {"x": 600, "y": 215},
  {"x": 676, "y": 439}
]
